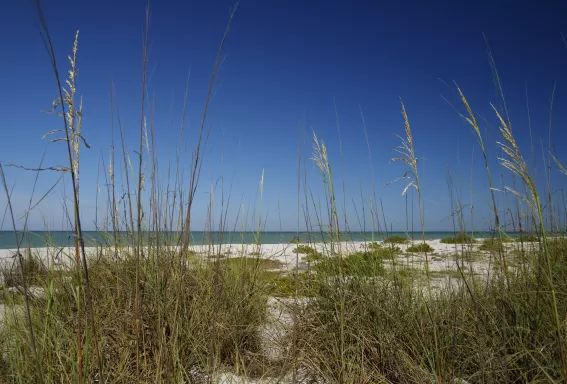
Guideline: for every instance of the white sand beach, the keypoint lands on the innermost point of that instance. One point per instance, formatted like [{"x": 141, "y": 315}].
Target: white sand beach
[{"x": 444, "y": 257}]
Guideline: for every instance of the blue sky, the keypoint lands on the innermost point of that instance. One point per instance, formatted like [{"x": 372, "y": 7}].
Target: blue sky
[{"x": 285, "y": 65}]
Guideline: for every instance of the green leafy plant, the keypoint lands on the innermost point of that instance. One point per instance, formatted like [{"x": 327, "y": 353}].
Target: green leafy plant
[
  {"x": 31, "y": 267},
  {"x": 280, "y": 285},
  {"x": 362, "y": 263},
  {"x": 423, "y": 247},
  {"x": 460, "y": 238},
  {"x": 531, "y": 238},
  {"x": 304, "y": 249},
  {"x": 494, "y": 244},
  {"x": 396, "y": 240},
  {"x": 374, "y": 245}
]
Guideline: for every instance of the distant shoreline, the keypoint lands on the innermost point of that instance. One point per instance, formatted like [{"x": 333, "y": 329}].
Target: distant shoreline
[
  {"x": 40, "y": 239},
  {"x": 284, "y": 253}
]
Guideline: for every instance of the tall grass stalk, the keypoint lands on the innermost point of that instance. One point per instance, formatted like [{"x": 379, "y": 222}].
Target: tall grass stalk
[
  {"x": 111, "y": 175},
  {"x": 408, "y": 157},
  {"x": 72, "y": 122},
  {"x": 197, "y": 161},
  {"x": 32, "y": 342},
  {"x": 372, "y": 211},
  {"x": 138, "y": 248},
  {"x": 473, "y": 122},
  {"x": 321, "y": 159},
  {"x": 515, "y": 163}
]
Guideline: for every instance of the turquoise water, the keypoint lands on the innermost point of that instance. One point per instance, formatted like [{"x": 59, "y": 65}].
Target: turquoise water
[{"x": 92, "y": 238}]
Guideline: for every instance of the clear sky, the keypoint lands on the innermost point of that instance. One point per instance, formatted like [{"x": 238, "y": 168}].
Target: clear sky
[{"x": 285, "y": 65}]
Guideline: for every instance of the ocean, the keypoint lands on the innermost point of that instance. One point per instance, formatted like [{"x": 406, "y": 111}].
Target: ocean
[{"x": 36, "y": 239}]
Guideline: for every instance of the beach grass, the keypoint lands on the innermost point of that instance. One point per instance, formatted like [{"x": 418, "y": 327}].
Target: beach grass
[
  {"x": 424, "y": 247},
  {"x": 460, "y": 238},
  {"x": 396, "y": 240}
]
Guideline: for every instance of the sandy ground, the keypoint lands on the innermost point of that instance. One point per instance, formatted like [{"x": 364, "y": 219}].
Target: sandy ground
[{"x": 444, "y": 256}]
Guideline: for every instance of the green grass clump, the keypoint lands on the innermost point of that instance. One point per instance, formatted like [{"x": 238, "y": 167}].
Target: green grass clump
[
  {"x": 460, "y": 238},
  {"x": 423, "y": 247},
  {"x": 295, "y": 241},
  {"x": 395, "y": 249},
  {"x": 493, "y": 244},
  {"x": 304, "y": 249},
  {"x": 189, "y": 253},
  {"x": 312, "y": 254},
  {"x": 391, "y": 248},
  {"x": 386, "y": 337},
  {"x": 251, "y": 262},
  {"x": 313, "y": 257},
  {"x": 396, "y": 240},
  {"x": 558, "y": 248},
  {"x": 34, "y": 271},
  {"x": 181, "y": 305},
  {"x": 531, "y": 238},
  {"x": 362, "y": 263},
  {"x": 280, "y": 285},
  {"x": 374, "y": 245}
]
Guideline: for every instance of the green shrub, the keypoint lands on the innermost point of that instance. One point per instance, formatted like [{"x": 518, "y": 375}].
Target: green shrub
[
  {"x": 34, "y": 272},
  {"x": 188, "y": 253},
  {"x": 394, "y": 249},
  {"x": 389, "y": 247},
  {"x": 493, "y": 244},
  {"x": 558, "y": 248},
  {"x": 311, "y": 253},
  {"x": 460, "y": 238},
  {"x": 304, "y": 249},
  {"x": 311, "y": 257},
  {"x": 279, "y": 285},
  {"x": 423, "y": 247},
  {"x": 374, "y": 245},
  {"x": 396, "y": 240},
  {"x": 252, "y": 262},
  {"x": 362, "y": 263},
  {"x": 531, "y": 238}
]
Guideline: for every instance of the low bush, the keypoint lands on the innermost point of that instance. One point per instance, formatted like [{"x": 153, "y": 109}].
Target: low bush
[
  {"x": 374, "y": 245},
  {"x": 422, "y": 247},
  {"x": 460, "y": 238},
  {"x": 252, "y": 262},
  {"x": 313, "y": 257},
  {"x": 531, "y": 238},
  {"x": 305, "y": 249},
  {"x": 34, "y": 271},
  {"x": 280, "y": 285},
  {"x": 396, "y": 240},
  {"x": 311, "y": 253},
  {"x": 362, "y": 263},
  {"x": 493, "y": 244}
]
